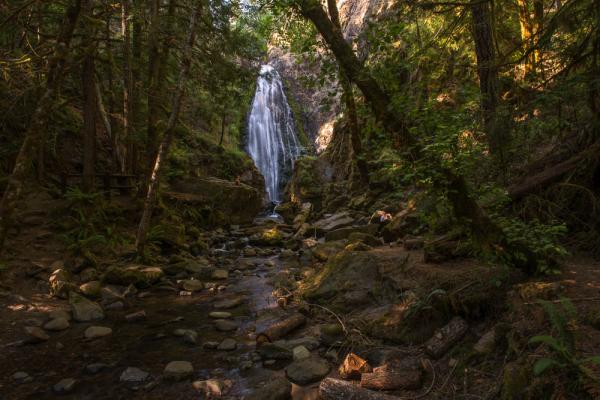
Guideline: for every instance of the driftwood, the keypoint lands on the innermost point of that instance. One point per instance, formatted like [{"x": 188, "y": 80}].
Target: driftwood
[
  {"x": 353, "y": 366},
  {"x": 551, "y": 175},
  {"x": 385, "y": 378},
  {"x": 280, "y": 328},
  {"x": 446, "y": 337},
  {"x": 337, "y": 389}
]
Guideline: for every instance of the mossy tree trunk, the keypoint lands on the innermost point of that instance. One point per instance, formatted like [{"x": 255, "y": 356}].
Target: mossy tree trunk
[{"x": 163, "y": 149}]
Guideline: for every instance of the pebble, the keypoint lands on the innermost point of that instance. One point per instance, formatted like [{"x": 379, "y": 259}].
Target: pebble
[
  {"x": 210, "y": 345},
  {"x": 224, "y": 325},
  {"x": 178, "y": 370},
  {"x": 227, "y": 345},
  {"x": 22, "y": 377},
  {"x": 245, "y": 365},
  {"x": 190, "y": 336},
  {"x": 97, "y": 331},
  {"x": 65, "y": 385},
  {"x": 117, "y": 305},
  {"x": 94, "y": 368},
  {"x": 136, "y": 316},
  {"x": 57, "y": 324},
  {"x": 59, "y": 314},
  {"x": 35, "y": 334},
  {"x": 192, "y": 285},
  {"x": 228, "y": 303},
  {"x": 133, "y": 374}
]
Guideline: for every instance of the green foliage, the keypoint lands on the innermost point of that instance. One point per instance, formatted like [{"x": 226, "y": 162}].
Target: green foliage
[
  {"x": 91, "y": 225},
  {"x": 561, "y": 343}
]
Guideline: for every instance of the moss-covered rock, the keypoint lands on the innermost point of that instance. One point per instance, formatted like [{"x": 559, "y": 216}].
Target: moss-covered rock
[
  {"x": 268, "y": 237},
  {"x": 217, "y": 202},
  {"x": 307, "y": 181},
  {"x": 138, "y": 275}
]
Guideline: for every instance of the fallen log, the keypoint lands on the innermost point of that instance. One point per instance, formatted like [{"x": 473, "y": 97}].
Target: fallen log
[
  {"x": 384, "y": 378},
  {"x": 551, "y": 175},
  {"x": 337, "y": 389},
  {"x": 446, "y": 337},
  {"x": 280, "y": 328},
  {"x": 353, "y": 366}
]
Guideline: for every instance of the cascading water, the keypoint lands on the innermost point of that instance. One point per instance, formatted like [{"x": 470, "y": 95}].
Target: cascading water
[{"x": 272, "y": 141}]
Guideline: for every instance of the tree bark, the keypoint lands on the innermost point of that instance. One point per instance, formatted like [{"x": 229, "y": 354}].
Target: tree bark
[
  {"x": 487, "y": 70},
  {"x": 337, "y": 389},
  {"x": 165, "y": 144},
  {"x": 127, "y": 76},
  {"x": 134, "y": 100},
  {"x": 355, "y": 71},
  {"x": 348, "y": 97},
  {"x": 39, "y": 118},
  {"x": 89, "y": 103},
  {"x": 526, "y": 35}
]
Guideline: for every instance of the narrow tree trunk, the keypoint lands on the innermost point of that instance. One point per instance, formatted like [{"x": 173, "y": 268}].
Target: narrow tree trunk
[
  {"x": 163, "y": 149},
  {"x": 38, "y": 120},
  {"x": 348, "y": 97},
  {"x": 223, "y": 119},
  {"x": 526, "y": 34},
  {"x": 127, "y": 76},
  {"x": 89, "y": 103},
  {"x": 134, "y": 99},
  {"x": 466, "y": 209},
  {"x": 487, "y": 70}
]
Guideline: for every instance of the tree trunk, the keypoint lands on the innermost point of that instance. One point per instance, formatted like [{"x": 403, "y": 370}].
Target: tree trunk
[
  {"x": 127, "y": 76},
  {"x": 466, "y": 209},
  {"x": 348, "y": 97},
  {"x": 355, "y": 71},
  {"x": 163, "y": 149},
  {"x": 39, "y": 118},
  {"x": 337, "y": 389},
  {"x": 89, "y": 103},
  {"x": 526, "y": 35},
  {"x": 134, "y": 98},
  {"x": 483, "y": 36}
]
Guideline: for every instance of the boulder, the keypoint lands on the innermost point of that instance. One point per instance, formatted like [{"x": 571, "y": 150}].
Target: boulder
[
  {"x": 334, "y": 222},
  {"x": 192, "y": 285},
  {"x": 307, "y": 182},
  {"x": 57, "y": 324},
  {"x": 134, "y": 375},
  {"x": 84, "y": 310},
  {"x": 178, "y": 370},
  {"x": 307, "y": 371},
  {"x": 91, "y": 289},
  {"x": 138, "y": 275},
  {"x": 344, "y": 233},
  {"x": 224, "y": 202}
]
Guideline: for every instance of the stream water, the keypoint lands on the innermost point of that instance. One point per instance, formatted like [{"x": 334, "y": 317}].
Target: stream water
[{"x": 272, "y": 140}]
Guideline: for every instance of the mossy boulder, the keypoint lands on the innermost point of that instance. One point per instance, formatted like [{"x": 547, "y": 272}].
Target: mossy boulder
[
  {"x": 268, "y": 237},
  {"x": 288, "y": 211},
  {"x": 307, "y": 182},
  {"x": 323, "y": 251},
  {"x": 138, "y": 275},
  {"x": 216, "y": 201}
]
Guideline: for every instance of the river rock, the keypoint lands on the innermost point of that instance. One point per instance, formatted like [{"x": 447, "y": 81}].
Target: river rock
[
  {"x": 220, "y": 274},
  {"x": 138, "y": 275},
  {"x": 190, "y": 336},
  {"x": 136, "y": 316},
  {"x": 91, "y": 289},
  {"x": 192, "y": 285},
  {"x": 210, "y": 345},
  {"x": 300, "y": 353},
  {"x": 94, "y": 332},
  {"x": 220, "y": 315},
  {"x": 227, "y": 345},
  {"x": 277, "y": 388},
  {"x": 88, "y": 274},
  {"x": 22, "y": 377},
  {"x": 307, "y": 371},
  {"x": 64, "y": 385},
  {"x": 336, "y": 221},
  {"x": 228, "y": 303},
  {"x": 213, "y": 387},
  {"x": 57, "y": 324},
  {"x": 273, "y": 351},
  {"x": 486, "y": 343},
  {"x": 134, "y": 375},
  {"x": 178, "y": 370},
  {"x": 224, "y": 325},
  {"x": 94, "y": 368},
  {"x": 59, "y": 314},
  {"x": 84, "y": 310},
  {"x": 35, "y": 334}
]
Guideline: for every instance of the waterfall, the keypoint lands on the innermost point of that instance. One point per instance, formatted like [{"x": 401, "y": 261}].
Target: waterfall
[{"x": 272, "y": 141}]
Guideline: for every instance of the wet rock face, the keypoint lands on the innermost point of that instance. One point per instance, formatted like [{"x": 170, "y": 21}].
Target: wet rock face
[{"x": 224, "y": 202}]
